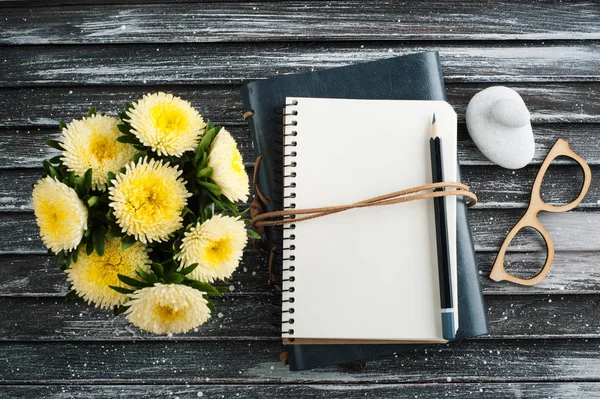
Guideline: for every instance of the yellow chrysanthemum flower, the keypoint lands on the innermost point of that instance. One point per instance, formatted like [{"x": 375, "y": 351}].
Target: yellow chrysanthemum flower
[
  {"x": 163, "y": 309},
  {"x": 92, "y": 143},
  {"x": 228, "y": 167},
  {"x": 148, "y": 200},
  {"x": 92, "y": 275},
  {"x": 60, "y": 214},
  {"x": 216, "y": 245},
  {"x": 166, "y": 123}
]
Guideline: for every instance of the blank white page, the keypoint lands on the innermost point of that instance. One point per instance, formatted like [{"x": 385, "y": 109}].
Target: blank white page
[{"x": 370, "y": 273}]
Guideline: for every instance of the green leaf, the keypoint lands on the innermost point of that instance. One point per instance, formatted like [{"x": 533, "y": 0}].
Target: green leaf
[
  {"x": 204, "y": 287},
  {"x": 222, "y": 288},
  {"x": 111, "y": 177},
  {"x": 99, "y": 235},
  {"x": 120, "y": 310},
  {"x": 114, "y": 232},
  {"x": 211, "y": 306},
  {"x": 122, "y": 290},
  {"x": 158, "y": 269},
  {"x": 56, "y": 160},
  {"x": 72, "y": 295},
  {"x": 61, "y": 124},
  {"x": 128, "y": 140},
  {"x": 208, "y": 137},
  {"x": 49, "y": 169},
  {"x": 92, "y": 201},
  {"x": 91, "y": 112},
  {"x": 87, "y": 181},
  {"x": 208, "y": 213},
  {"x": 126, "y": 242},
  {"x": 176, "y": 278},
  {"x": 75, "y": 255},
  {"x": 253, "y": 234},
  {"x": 132, "y": 282},
  {"x": 124, "y": 128},
  {"x": 205, "y": 172},
  {"x": 189, "y": 269},
  {"x": 213, "y": 188},
  {"x": 149, "y": 277},
  {"x": 89, "y": 248},
  {"x": 54, "y": 144}
]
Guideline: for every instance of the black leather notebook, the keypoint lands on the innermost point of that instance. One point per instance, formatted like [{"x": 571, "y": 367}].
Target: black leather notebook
[{"x": 410, "y": 77}]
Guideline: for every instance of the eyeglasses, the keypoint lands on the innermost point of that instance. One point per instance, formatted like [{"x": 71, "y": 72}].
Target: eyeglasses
[{"x": 536, "y": 204}]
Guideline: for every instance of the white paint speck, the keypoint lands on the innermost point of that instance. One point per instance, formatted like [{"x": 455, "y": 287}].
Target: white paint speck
[
  {"x": 123, "y": 27},
  {"x": 231, "y": 288},
  {"x": 220, "y": 315}
]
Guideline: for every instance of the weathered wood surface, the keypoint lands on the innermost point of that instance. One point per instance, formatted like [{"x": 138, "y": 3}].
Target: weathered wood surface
[
  {"x": 56, "y": 62},
  {"x": 530, "y": 390},
  {"x": 570, "y": 102},
  {"x": 572, "y": 273},
  {"x": 316, "y": 20},
  {"x": 234, "y": 63},
  {"x": 243, "y": 362},
  {"x": 250, "y": 317},
  {"x": 489, "y": 226},
  {"x": 24, "y": 147},
  {"x": 561, "y": 185}
]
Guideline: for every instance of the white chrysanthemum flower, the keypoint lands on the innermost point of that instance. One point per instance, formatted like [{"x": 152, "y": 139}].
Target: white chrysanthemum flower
[
  {"x": 228, "y": 167},
  {"x": 92, "y": 143},
  {"x": 60, "y": 214},
  {"x": 164, "y": 309},
  {"x": 166, "y": 123},
  {"x": 216, "y": 246},
  {"x": 92, "y": 275},
  {"x": 148, "y": 200}
]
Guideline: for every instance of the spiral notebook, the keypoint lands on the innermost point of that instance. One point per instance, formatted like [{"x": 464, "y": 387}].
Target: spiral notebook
[{"x": 366, "y": 275}]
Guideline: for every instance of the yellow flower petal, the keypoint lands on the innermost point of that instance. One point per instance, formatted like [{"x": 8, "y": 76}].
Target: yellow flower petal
[
  {"x": 163, "y": 309},
  {"x": 92, "y": 143},
  {"x": 167, "y": 124},
  {"x": 216, "y": 245},
  {"x": 60, "y": 214},
  {"x": 92, "y": 275},
  {"x": 148, "y": 200},
  {"x": 228, "y": 167}
]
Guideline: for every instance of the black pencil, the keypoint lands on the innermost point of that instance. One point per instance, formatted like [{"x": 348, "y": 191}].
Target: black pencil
[{"x": 441, "y": 229}]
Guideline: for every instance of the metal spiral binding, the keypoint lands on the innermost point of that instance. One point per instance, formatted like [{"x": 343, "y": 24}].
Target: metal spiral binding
[{"x": 290, "y": 134}]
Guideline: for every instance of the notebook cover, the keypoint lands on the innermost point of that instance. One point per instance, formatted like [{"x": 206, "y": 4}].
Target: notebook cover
[{"x": 410, "y": 77}]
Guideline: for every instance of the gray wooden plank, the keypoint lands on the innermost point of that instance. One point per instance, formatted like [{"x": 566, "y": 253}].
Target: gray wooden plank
[
  {"x": 539, "y": 390},
  {"x": 577, "y": 230},
  {"x": 38, "y": 275},
  {"x": 242, "y": 317},
  {"x": 295, "y": 21},
  {"x": 57, "y": 319},
  {"x": 24, "y": 147},
  {"x": 243, "y": 362},
  {"x": 235, "y": 63},
  {"x": 495, "y": 187},
  {"x": 571, "y": 273},
  {"x": 46, "y": 106}
]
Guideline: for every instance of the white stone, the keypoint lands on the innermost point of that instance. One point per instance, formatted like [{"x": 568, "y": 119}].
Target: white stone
[{"x": 499, "y": 124}]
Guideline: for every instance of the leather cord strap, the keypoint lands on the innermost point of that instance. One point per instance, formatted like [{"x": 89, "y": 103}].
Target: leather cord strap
[{"x": 289, "y": 216}]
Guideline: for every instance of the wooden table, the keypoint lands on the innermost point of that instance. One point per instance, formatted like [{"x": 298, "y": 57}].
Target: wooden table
[{"x": 56, "y": 60}]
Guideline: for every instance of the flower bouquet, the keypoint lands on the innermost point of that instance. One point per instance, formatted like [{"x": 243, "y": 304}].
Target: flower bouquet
[{"x": 141, "y": 211}]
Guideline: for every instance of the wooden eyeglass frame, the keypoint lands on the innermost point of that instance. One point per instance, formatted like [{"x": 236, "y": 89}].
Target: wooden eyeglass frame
[{"x": 536, "y": 204}]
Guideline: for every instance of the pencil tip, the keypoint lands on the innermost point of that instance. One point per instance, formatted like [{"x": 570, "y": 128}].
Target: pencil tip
[{"x": 433, "y": 119}]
